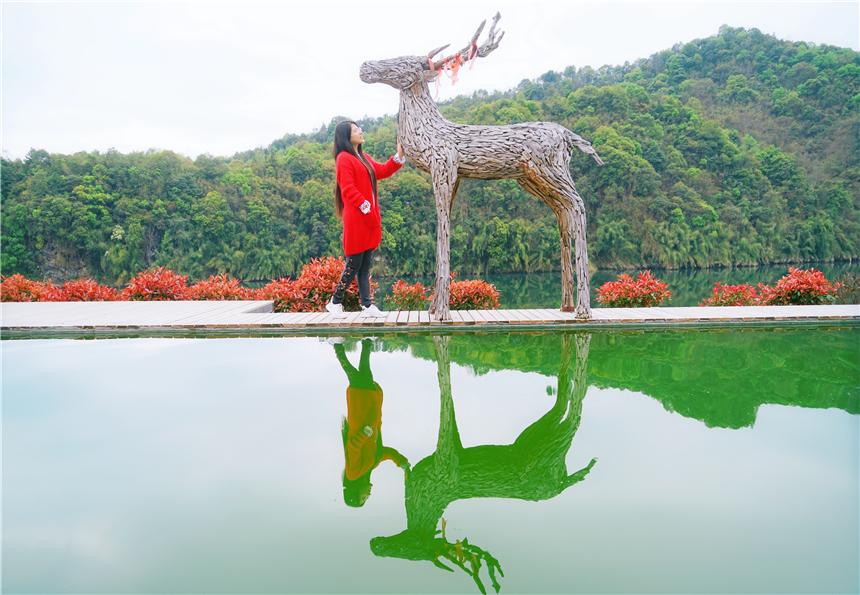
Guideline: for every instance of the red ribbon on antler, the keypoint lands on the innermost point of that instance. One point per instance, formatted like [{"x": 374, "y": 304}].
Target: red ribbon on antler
[{"x": 452, "y": 64}]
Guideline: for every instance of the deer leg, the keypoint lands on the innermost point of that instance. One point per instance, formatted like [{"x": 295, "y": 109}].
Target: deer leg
[
  {"x": 583, "y": 297},
  {"x": 448, "y": 444},
  {"x": 549, "y": 194},
  {"x": 559, "y": 180},
  {"x": 444, "y": 187}
]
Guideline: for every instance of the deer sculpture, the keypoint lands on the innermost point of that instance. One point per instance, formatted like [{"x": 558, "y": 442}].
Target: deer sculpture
[
  {"x": 535, "y": 154},
  {"x": 532, "y": 468}
]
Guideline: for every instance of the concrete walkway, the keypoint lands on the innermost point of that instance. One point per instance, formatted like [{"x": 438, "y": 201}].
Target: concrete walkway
[{"x": 201, "y": 315}]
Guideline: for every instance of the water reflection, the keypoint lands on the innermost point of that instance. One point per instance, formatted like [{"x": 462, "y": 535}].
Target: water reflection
[
  {"x": 532, "y": 468},
  {"x": 362, "y": 427},
  {"x": 236, "y": 469},
  {"x": 718, "y": 378}
]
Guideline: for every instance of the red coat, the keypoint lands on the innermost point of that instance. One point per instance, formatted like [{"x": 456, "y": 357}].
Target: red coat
[{"x": 360, "y": 232}]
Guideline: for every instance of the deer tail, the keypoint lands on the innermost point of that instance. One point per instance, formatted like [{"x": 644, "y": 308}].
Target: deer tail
[{"x": 583, "y": 145}]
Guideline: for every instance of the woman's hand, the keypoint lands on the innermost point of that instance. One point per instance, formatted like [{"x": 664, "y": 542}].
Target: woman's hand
[{"x": 399, "y": 150}]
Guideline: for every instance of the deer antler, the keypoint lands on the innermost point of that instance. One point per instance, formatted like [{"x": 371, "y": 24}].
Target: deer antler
[
  {"x": 472, "y": 50},
  {"x": 470, "y": 558}
]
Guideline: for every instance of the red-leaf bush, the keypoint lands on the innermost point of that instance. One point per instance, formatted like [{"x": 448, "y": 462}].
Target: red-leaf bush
[
  {"x": 82, "y": 290},
  {"x": 799, "y": 286},
  {"x": 18, "y": 288},
  {"x": 318, "y": 280},
  {"x": 156, "y": 284},
  {"x": 218, "y": 287},
  {"x": 285, "y": 295},
  {"x": 408, "y": 297},
  {"x": 732, "y": 295},
  {"x": 473, "y": 294},
  {"x": 643, "y": 292}
]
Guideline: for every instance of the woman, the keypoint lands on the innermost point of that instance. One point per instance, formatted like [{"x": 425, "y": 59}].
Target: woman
[
  {"x": 362, "y": 428},
  {"x": 357, "y": 203}
]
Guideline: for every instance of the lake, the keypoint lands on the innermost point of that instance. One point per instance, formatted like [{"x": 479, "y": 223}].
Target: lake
[{"x": 702, "y": 460}]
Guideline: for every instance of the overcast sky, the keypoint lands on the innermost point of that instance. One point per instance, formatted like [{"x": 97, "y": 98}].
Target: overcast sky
[{"x": 218, "y": 78}]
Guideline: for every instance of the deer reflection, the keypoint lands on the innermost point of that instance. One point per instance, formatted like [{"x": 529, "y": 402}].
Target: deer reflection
[
  {"x": 532, "y": 468},
  {"x": 362, "y": 427}
]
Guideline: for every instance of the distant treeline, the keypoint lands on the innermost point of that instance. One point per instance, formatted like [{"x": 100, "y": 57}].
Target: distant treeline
[{"x": 735, "y": 149}]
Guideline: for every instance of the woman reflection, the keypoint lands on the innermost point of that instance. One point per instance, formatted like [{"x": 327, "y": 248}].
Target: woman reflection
[{"x": 362, "y": 427}]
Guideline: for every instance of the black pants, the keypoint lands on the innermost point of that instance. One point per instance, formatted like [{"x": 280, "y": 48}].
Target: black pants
[
  {"x": 355, "y": 264},
  {"x": 360, "y": 377}
]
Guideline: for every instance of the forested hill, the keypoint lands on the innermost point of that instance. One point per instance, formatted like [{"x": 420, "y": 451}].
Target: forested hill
[{"x": 738, "y": 148}]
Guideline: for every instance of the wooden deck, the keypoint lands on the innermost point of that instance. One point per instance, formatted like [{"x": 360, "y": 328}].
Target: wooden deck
[{"x": 18, "y": 317}]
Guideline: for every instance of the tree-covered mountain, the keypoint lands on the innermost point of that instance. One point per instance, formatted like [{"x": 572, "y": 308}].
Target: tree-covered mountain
[{"x": 735, "y": 149}]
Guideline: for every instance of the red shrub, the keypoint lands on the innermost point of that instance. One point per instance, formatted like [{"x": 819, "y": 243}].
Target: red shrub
[
  {"x": 284, "y": 293},
  {"x": 219, "y": 287},
  {"x": 408, "y": 297},
  {"x": 644, "y": 291},
  {"x": 473, "y": 294},
  {"x": 318, "y": 280},
  {"x": 82, "y": 290},
  {"x": 800, "y": 286},
  {"x": 156, "y": 284},
  {"x": 18, "y": 288},
  {"x": 732, "y": 295}
]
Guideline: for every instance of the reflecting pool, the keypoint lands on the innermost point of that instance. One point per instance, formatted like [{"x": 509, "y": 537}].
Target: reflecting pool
[{"x": 699, "y": 460}]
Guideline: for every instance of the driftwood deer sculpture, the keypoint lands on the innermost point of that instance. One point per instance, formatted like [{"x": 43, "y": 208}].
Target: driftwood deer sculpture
[{"x": 535, "y": 154}]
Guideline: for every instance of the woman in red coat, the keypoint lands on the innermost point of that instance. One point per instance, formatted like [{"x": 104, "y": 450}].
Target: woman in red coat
[{"x": 357, "y": 203}]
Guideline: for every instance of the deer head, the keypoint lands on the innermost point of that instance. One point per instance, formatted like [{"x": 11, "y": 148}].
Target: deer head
[{"x": 405, "y": 71}]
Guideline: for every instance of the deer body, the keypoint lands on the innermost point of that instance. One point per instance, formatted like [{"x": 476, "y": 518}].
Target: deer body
[
  {"x": 423, "y": 130},
  {"x": 535, "y": 154}
]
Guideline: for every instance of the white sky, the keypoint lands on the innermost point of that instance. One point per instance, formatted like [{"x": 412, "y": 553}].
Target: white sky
[{"x": 218, "y": 78}]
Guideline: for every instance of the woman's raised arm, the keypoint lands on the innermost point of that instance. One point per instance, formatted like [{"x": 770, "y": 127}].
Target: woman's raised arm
[{"x": 384, "y": 170}]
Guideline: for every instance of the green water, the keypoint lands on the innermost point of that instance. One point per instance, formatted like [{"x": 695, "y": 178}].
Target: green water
[
  {"x": 688, "y": 286},
  {"x": 719, "y": 460}
]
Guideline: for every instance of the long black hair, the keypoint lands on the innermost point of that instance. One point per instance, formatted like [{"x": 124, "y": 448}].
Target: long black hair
[{"x": 342, "y": 134}]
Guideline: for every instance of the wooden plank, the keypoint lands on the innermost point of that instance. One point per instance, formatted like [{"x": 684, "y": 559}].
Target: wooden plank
[
  {"x": 304, "y": 318},
  {"x": 480, "y": 317},
  {"x": 467, "y": 317},
  {"x": 518, "y": 316},
  {"x": 190, "y": 313},
  {"x": 214, "y": 312},
  {"x": 324, "y": 318},
  {"x": 528, "y": 315},
  {"x": 499, "y": 316},
  {"x": 351, "y": 319},
  {"x": 295, "y": 318},
  {"x": 486, "y": 316},
  {"x": 544, "y": 315},
  {"x": 282, "y": 318}
]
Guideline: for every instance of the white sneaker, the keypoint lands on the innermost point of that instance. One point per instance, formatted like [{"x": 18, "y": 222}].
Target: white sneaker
[
  {"x": 371, "y": 312},
  {"x": 336, "y": 310}
]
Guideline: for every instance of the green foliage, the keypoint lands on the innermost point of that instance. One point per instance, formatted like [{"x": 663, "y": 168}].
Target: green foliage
[{"x": 734, "y": 149}]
